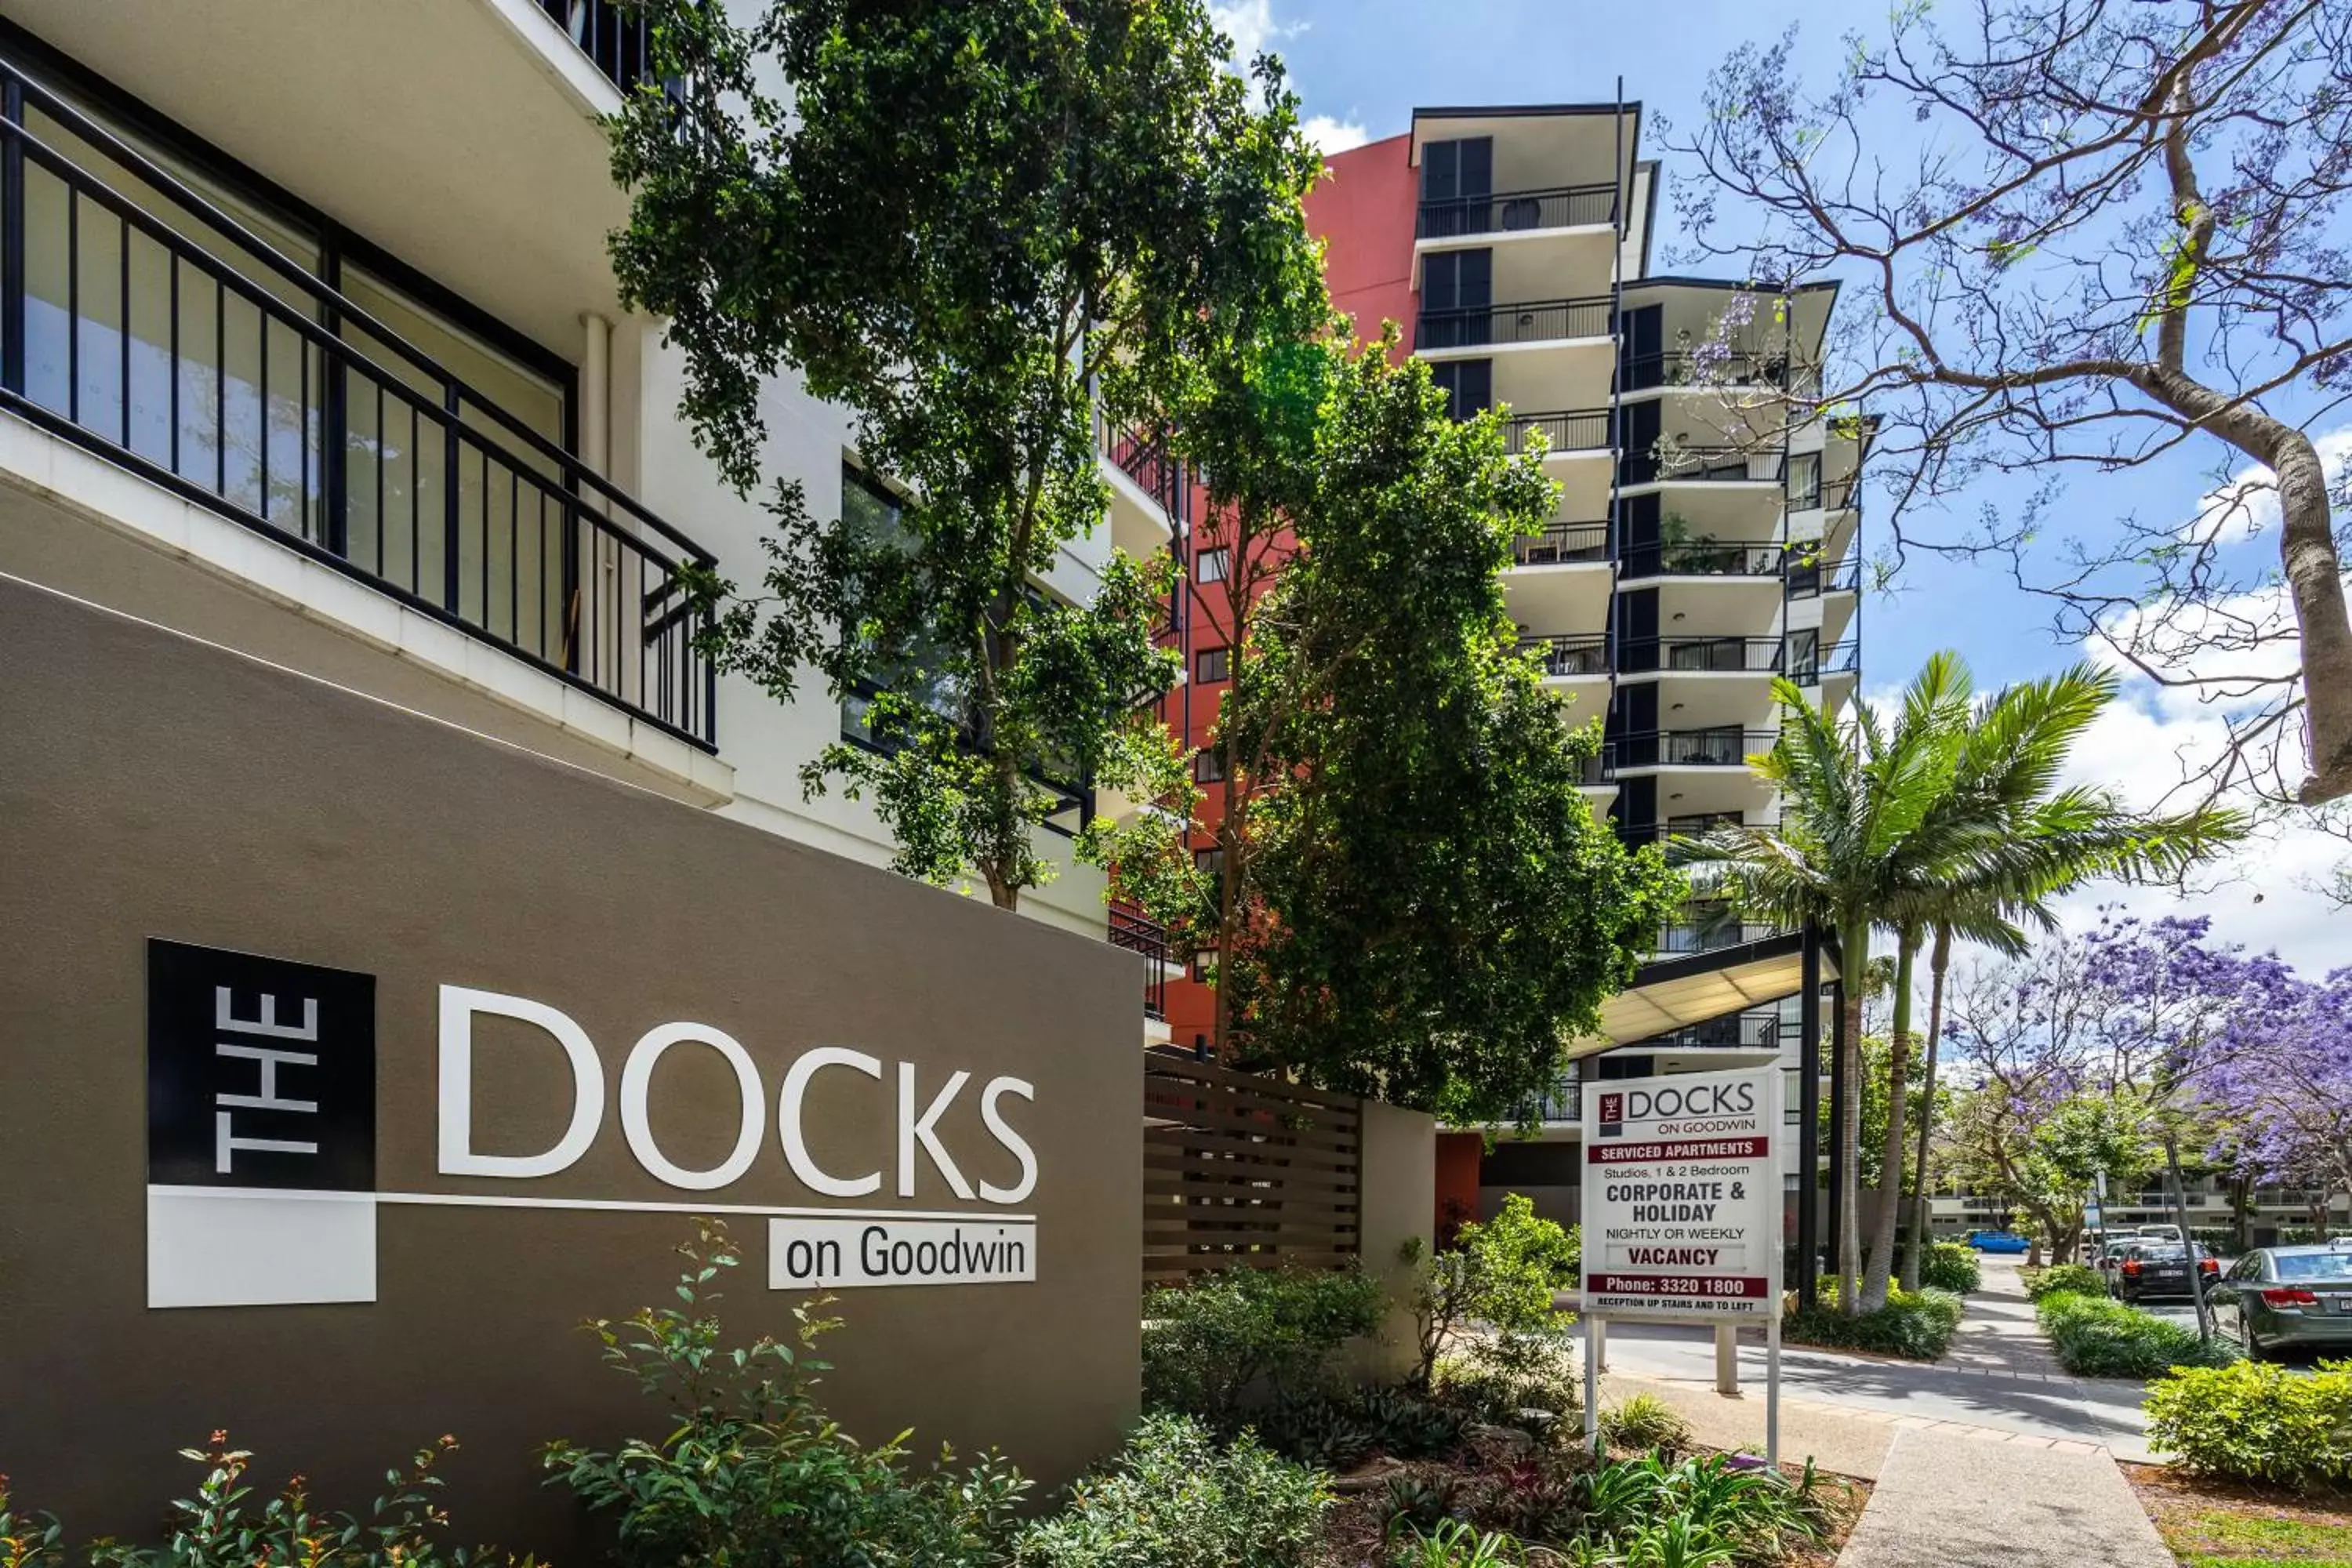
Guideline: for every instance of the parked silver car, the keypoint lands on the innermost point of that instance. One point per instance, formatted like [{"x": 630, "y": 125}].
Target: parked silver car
[{"x": 2276, "y": 1298}]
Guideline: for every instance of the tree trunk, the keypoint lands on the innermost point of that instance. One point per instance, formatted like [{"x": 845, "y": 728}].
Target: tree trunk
[
  {"x": 1853, "y": 957},
  {"x": 2314, "y": 573},
  {"x": 1890, "y": 1163},
  {"x": 1938, "y": 961}
]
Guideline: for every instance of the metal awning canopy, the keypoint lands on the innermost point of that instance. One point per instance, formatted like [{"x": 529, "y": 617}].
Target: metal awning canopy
[{"x": 1676, "y": 992}]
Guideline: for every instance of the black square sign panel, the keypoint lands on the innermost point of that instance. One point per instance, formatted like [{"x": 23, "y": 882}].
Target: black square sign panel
[{"x": 260, "y": 1072}]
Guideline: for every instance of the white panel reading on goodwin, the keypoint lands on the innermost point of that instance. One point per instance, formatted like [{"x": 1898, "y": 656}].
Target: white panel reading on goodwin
[{"x": 804, "y": 1254}]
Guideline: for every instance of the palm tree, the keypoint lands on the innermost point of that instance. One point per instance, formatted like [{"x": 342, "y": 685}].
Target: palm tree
[
  {"x": 2012, "y": 753},
  {"x": 1855, "y": 833},
  {"x": 1948, "y": 823}
]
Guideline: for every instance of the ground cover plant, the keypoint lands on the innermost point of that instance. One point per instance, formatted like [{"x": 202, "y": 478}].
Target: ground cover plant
[
  {"x": 1178, "y": 1497},
  {"x": 2213, "y": 1524},
  {"x": 2098, "y": 1338},
  {"x": 1916, "y": 1325}
]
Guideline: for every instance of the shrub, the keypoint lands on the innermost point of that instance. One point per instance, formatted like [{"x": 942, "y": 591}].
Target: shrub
[
  {"x": 1701, "y": 1510},
  {"x": 1916, "y": 1325},
  {"x": 1175, "y": 1498},
  {"x": 2064, "y": 1280},
  {"x": 1948, "y": 1266},
  {"x": 1500, "y": 1379},
  {"x": 2255, "y": 1423},
  {"x": 1241, "y": 1339},
  {"x": 1454, "y": 1544},
  {"x": 1645, "y": 1421},
  {"x": 2098, "y": 1338},
  {"x": 1504, "y": 1273},
  {"x": 217, "y": 1529},
  {"x": 750, "y": 1468}
]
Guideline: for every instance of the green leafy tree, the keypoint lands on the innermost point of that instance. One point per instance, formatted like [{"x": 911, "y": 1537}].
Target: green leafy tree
[
  {"x": 975, "y": 225},
  {"x": 1506, "y": 1273},
  {"x": 1431, "y": 910}
]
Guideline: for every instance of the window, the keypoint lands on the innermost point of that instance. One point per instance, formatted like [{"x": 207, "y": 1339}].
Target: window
[
  {"x": 1468, "y": 385},
  {"x": 1209, "y": 766},
  {"x": 1804, "y": 480},
  {"x": 1211, "y": 565},
  {"x": 1457, "y": 280},
  {"x": 1210, "y": 862},
  {"x": 869, "y": 509},
  {"x": 1212, "y": 664},
  {"x": 1204, "y": 966}
]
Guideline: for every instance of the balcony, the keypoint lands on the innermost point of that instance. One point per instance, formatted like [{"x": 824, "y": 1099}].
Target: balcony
[
  {"x": 1137, "y": 932},
  {"x": 1808, "y": 667},
  {"x": 1703, "y": 930},
  {"x": 1534, "y": 321},
  {"x": 148, "y": 325},
  {"x": 1707, "y": 465},
  {"x": 1712, "y": 748},
  {"x": 1517, "y": 212},
  {"x": 1756, "y": 1030},
  {"x": 1809, "y": 579},
  {"x": 1578, "y": 430},
  {"x": 1702, "y": 654},
  {"x": 1563, "y": 544},
  {"x": 1575, "y": 657},
  {"x": 620, "y": 46},
  {"x": 1143, "y": 460},
  {"x": 1706, "y": 560},
  {"x": 1698, "y": 368}
]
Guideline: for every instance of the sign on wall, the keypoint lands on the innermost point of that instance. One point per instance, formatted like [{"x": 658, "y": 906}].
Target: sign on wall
[
  {"x": 261, "y": 1110},
  {"x": 1681, "y": 1195}
]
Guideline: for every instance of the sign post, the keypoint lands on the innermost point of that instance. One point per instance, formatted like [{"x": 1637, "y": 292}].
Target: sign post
[{"x": 1682, "y": 1212}]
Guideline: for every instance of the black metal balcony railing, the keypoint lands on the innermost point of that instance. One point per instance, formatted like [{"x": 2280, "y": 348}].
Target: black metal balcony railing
[
  {"x": 1513, "y": 212},
  {"x": 1635, "y": 834},
  {"x": 1563, "y": 544},
  {"x": 1577, "y": 430},
  {"x": 1710, "y": 933},
  {"x": 621, "y": 46},
  {"x": 1806, "y": 668},
  {"x": 1710, "y": 560},
  {"x": 1700, "y": 465},
  {"x": 221, "y": 370},
  {"x": 1136, "y": 932},
  {"x": 1146, "y": 460},
  {"x": 1809, "y": 579},
  {"x": 1535, "y": 321},
  {"x": 1721, "y": 748},
  {"x": 1711, "y": 655},
  {"x": 1756, "y": 1030},
  {"x": 1699, "y": 367},
  {"x": 1601, "y": 767},
  {"x": 1566, "y": 1101},
  {"x": 1569, "y": 656}
]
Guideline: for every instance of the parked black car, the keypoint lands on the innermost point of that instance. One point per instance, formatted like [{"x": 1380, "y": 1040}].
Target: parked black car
[{"x": 2155, "y": 1269}]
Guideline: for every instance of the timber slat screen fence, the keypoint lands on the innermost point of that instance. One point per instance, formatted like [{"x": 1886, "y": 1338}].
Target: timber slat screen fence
[{"x": 1244, "y": 1171}]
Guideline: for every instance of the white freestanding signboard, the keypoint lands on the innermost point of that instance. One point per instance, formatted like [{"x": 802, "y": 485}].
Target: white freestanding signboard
[{"x": 1683, "y": 1207}]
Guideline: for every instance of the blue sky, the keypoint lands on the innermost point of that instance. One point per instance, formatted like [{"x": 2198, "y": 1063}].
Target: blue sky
[{"x": 1360, "y": 65}]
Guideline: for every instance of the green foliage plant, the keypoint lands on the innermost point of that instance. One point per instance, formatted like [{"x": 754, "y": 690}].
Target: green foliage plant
[
  {"x": 219, "y": 1526},
  {"x": 1505, "y": 1273},
  {"x": 1429, "y": 908},
  {"x": 1948, "y": 1266},
  {"x": 976, "y": 229},
  {"x": 1454, "y": 1544},
  {"x": 2253, "y": 1421},
  {"x": 2064, "y": 1280},
  {"x": 750, "y": 1468},
  {"x": 1645, "y": 1422},
  {"x": 2098, "y": 1338},
  {"x": 1915, "y": 1325},
  {"x": 1178, "y": 1497},
  {"x": 1241, "y": 1339}
]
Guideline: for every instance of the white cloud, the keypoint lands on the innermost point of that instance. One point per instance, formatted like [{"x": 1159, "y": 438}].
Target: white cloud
[
  {"x": 1250, "y": 26},
  {"x": 1331, "y": 135},
  {"x": 2141, "y": 748},
  {"x": 2246, "y": 506}
]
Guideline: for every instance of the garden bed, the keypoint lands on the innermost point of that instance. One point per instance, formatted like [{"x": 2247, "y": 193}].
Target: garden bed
[{"x": 2212, "y": 1523}]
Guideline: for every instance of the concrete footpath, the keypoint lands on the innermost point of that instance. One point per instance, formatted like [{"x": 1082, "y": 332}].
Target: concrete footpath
[
  {"x": 1998, "y": 1379},
  {"x": 1961, "y": 1504}
]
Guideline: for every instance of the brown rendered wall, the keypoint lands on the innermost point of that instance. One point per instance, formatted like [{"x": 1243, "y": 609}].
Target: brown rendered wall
[{"x": 152, "y": 785}]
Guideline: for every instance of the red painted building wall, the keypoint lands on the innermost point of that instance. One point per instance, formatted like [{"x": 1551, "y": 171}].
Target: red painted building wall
[{"x": 1364, "y": 210}]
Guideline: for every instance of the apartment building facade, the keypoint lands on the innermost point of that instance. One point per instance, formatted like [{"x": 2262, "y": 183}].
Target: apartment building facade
[
  {"x": 310, "y": 347},
  {"x": 1705, "y": 542}
]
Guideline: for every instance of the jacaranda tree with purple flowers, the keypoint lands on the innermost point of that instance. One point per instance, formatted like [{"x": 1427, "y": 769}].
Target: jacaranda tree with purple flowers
[{"x": 2283, "y": 1098}]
